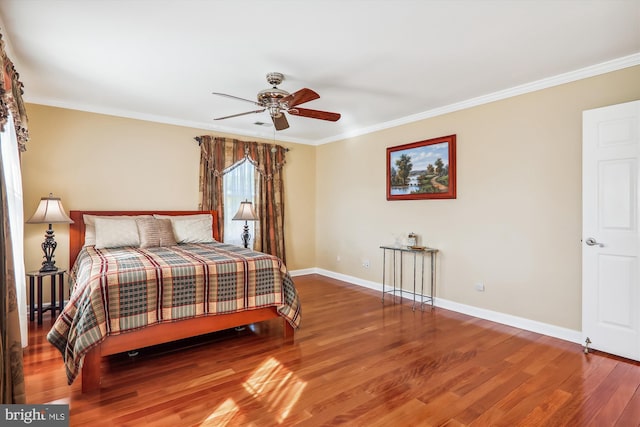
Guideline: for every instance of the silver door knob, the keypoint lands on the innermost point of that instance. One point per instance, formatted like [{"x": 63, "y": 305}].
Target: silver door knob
[{"x": 592, "y": 242}]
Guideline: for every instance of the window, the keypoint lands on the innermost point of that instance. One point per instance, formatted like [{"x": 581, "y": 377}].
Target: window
[
  {"x": 13, "y": 179},
  {"x": 238, "y": 185}
]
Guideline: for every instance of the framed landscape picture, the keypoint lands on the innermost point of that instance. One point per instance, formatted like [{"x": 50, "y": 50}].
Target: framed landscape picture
[{"x": 422, "y": 170}]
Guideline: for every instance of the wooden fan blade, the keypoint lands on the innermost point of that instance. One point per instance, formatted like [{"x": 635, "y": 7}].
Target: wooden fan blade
[
  {"x": 236, "y": 97},
  {"x": 280, "y": 122},
  {"x": 239, "y": 114},
  {"x": 315, "y": 114},
  {"x": 300, "y": 97}
]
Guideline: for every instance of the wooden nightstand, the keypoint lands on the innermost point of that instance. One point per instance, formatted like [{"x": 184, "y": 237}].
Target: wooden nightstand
[{"x": 53, "y": 277}]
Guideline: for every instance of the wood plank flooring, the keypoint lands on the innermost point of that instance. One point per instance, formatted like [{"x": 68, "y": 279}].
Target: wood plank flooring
[{"x": 355, "y": 362}]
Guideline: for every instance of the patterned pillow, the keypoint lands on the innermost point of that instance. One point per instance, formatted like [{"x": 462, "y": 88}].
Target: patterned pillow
[
  {"x": 155, "y": 232},
  {"x": 116, "y": 233}
]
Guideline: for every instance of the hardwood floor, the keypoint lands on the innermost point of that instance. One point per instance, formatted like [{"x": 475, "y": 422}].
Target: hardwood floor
[{"x": 354, "y": 362}]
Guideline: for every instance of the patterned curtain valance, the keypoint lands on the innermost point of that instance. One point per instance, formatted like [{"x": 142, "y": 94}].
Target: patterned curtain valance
[
  {"x": 11, "y": 90},
  {"x": 224, "y": 154},
  {"x": 220, "y": 155}
]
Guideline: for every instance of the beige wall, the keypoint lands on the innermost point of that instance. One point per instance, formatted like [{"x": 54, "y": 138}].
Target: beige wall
[
  {"x": 516, "y": 222},
  {"x": 96, "y": 161},
  {"x": 515, "y": 225}
]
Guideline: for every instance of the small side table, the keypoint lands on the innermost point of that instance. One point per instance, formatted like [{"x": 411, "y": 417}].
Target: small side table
[
  {"x": 54, "y": 276},
  {"x": 400, "y": 251}
]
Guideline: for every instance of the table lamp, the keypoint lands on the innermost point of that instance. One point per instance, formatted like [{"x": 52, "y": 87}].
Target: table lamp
[
  {"x": 49, "y": 211},
  {"x": 246, "y": 213}
]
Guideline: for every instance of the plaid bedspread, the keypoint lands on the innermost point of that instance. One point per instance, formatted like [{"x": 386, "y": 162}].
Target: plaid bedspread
[{"x": 118, "y": 290}]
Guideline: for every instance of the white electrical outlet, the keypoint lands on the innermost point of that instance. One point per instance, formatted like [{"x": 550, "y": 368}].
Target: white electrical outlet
[
  {"x": 479, "y": 287},
  {"x": 366, "y": 263},
  {"x": 338, "y": 258}
]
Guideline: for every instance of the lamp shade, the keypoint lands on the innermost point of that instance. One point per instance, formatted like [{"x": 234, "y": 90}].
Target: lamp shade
[
  {"x": 50, "y": 211},
  {"x": 246, "y": 212}
]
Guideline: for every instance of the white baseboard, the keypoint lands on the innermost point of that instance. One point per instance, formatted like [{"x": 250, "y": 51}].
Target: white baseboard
[
  {"x": 295, "y": 273},
  {"x": 494, "y": 316}
]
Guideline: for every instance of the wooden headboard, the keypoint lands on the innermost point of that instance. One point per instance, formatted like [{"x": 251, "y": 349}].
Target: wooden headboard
[{"x": 76, "y": 230}]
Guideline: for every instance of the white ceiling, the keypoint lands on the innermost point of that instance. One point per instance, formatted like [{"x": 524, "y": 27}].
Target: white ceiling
[{"x": 378, "y": 63}]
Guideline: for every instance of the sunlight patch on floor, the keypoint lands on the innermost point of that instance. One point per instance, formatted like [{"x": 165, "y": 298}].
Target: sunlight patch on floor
[
  {"x": 223, "y": 414},
  {"x": 63, "y": 401},
  {"x": 276, "y": 387}
]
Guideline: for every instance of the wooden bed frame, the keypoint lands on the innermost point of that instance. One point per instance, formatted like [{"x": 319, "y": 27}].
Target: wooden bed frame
[{"x": 164, "y": 332}]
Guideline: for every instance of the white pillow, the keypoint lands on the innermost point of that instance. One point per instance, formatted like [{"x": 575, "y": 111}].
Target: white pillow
[
  {"x": 90, "y": 225},
  {"x": 191, "y": 228},
  {"x": 116, "y": 233}
]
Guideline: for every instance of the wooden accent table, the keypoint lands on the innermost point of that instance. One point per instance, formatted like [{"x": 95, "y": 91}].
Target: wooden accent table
[{"x": 53, "y": 275}]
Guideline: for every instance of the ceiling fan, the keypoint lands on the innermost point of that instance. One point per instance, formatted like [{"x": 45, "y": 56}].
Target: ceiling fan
[{"x": 277, "y": 102}]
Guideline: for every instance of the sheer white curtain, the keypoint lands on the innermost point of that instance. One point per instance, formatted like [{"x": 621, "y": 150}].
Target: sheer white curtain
[
  {"x": 13, "y": 178},
  {"x": 238, "y": 184}
]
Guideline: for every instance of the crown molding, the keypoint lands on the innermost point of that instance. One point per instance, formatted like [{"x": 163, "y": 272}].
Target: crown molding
[
  {"x": 160, "y": 119},
  {"x": 583, "y": 73}
]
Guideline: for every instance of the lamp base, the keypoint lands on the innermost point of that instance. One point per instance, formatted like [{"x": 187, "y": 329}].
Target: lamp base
[
  {"x": 246, "y": 237},
  {"x": 46, "y": 268},
  {"x": 48, "y": 247}
]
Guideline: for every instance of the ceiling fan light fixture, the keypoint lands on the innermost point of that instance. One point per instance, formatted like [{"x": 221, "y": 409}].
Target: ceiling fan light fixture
[{"x": 274, "y": 111}]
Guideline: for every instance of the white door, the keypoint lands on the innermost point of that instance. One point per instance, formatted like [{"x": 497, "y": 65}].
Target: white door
[{"x": 610, "y": 233}]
